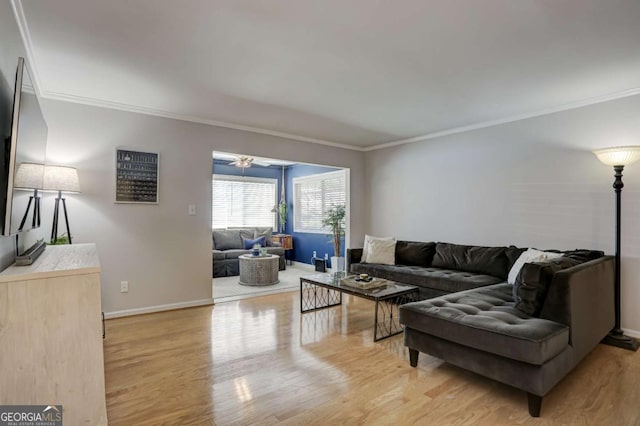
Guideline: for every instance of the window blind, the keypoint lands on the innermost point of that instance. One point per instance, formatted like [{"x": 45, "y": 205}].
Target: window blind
[
  {"x": 313, "y": 196},
  {"x": 243, "y": 201}
]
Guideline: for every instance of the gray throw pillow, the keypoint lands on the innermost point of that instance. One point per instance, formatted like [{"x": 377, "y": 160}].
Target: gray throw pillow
[
  {"x": 482, "y": 260},
  {"x": 227, "y": 239},
  {"x": 412, "y": 253},
  {"x": 267, "y": 233},
  {"x": 534, "y": 279}
]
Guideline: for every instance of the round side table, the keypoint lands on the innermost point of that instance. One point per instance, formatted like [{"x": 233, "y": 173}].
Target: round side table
[{"x": 259, "y": 270}]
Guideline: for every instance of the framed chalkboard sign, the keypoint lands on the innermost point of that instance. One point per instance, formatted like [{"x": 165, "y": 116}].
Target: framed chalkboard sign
[{"x": 137, "y": 176}]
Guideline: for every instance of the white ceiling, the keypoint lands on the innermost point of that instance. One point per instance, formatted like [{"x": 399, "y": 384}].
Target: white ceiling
[{"x": 355, "y": 72}]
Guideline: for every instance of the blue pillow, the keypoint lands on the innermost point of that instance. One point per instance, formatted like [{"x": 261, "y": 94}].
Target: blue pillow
[{"x": 248, "y": 244}]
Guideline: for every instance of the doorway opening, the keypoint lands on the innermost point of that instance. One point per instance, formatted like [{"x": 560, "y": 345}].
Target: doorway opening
[{"x": 283, "y": 201}]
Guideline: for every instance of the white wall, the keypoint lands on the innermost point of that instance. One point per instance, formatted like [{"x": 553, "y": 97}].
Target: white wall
[
  {"x": 163, "y": 253},
  {"x": 532, "y": 183}
]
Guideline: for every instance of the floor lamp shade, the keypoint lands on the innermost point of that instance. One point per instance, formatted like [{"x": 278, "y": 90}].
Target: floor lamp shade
[
  {"x": 618, "y": 157},
  {"x": 61, "y": 178}
]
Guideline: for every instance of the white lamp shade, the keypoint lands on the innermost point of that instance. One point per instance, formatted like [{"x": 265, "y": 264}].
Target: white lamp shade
[
  {"x": 61, "y": 178},
  {"x": 618, "y": 156},
  {"x": 29, "y": 176}
]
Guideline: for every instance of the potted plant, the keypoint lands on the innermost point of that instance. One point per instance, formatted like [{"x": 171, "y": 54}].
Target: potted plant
[
  {"x": 282, "y": 212},
  {"x": 334, "y": 220},
  {"x": 62, "y": 239}
]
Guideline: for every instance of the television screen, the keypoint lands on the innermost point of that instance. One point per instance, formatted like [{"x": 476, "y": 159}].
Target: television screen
[{"x": 24, "y": 149}]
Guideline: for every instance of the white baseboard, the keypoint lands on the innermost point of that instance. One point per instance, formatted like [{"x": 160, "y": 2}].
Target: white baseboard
[
  {"x": 158, "y": 308},
  {"x": 632, "y": 333}
]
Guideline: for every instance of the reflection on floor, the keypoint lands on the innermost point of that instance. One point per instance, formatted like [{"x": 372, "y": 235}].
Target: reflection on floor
[
  {"x": 260, "y": 361},
  {"x": 227, "y": 288}
]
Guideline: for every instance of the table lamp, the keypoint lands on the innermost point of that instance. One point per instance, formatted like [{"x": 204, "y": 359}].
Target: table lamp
[
  {"x": 29, "y": 177},
  {"x": 60, "y": 178}
]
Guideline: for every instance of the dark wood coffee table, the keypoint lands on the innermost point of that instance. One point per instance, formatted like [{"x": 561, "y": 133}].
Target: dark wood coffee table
[{"x": 322, "y": 291}]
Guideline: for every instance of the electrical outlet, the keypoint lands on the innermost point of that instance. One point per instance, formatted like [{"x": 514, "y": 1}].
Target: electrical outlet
[
  {"x": 124, "y": 286},
  {"x": 192, "y": 209}
]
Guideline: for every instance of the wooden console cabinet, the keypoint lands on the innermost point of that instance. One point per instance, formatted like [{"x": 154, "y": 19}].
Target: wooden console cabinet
[{"x": 51, "y": 334}]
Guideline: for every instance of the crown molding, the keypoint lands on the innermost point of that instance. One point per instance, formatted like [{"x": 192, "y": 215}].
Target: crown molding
[
  {"x": 48, "y": 94},
  {"x": 23, "y": 27},
  {"x": 490, "y": 123},
  {"x": 476, "y": 126}
]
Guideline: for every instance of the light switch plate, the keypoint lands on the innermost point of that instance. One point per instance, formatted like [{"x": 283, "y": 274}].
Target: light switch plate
[{"x": 192, "y": 209}]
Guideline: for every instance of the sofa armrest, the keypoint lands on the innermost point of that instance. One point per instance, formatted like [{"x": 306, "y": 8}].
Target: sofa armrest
[
  {"x": 582, "y": 297},
  {"x": 354, "y": 255}
]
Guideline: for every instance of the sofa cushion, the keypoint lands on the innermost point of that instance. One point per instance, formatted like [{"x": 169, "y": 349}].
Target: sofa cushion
[
  {"x": 217, "y": 254},
  {"x": 234, "y": 253},
  {"x": 513, "y": 253},
  {"x": 486, "y": 319},
  {"x": 382, "y": 251},
  {"x": 583, "y": 255},
  {"x": 483, "y": 260},
  {"x": 226, "y": 239},
  {"x": 530, "y": 256},
  {"x": 368, "y": 239},
  {"x": 275, "y": 250},
  {"x": 267, "y": 232},
  {"x": 412, "y": 253},
  {"x": 534, "y": 279},
  {"x": 440, "y": 279}
]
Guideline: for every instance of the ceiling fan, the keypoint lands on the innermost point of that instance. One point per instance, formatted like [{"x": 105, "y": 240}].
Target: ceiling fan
[{"x": 245, "y": 162}]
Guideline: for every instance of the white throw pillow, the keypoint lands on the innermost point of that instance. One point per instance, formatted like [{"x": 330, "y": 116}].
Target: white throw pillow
[
  {"x": 382, "y": 251},
  {"x": 529, "y": 256},
  {"x": 365, "y": 248}
]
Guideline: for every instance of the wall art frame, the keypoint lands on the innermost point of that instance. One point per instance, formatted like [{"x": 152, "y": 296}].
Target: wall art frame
[{"x": 137, "y": 176}]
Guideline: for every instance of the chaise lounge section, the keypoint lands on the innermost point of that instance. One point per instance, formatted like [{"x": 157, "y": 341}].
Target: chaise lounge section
[
  {"x": 482, "y": 330},
  {"x": 528, "y": 335}
]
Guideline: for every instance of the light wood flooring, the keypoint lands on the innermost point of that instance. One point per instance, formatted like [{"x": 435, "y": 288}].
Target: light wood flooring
[{"x": 259, "y": 361}]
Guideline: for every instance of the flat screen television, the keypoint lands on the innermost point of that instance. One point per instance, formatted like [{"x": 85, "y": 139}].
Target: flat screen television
[{"x": 23, "y": 133}]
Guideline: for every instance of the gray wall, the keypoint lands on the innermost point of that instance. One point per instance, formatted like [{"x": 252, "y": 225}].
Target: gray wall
[
  {"x": 532, "y": 183},
  {"x": 11, "y": 48},
  {"x": 164, "y": 253}
]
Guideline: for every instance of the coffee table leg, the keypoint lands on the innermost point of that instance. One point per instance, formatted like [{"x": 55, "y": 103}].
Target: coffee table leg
[
  {"x": 386, "y": 323},
  {"x": 314, "y": 297}
]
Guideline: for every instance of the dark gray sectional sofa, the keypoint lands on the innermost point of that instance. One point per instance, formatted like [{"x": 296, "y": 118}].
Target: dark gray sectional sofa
[
  {"x": 441, "y": 268},
  {"x": 529, "y": 335},
  {"x": 227, "y": 246}
]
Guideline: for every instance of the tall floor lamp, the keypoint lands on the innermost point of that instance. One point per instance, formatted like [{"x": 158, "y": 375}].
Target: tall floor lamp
[
  {"x": 618, "y": 157},
  {"x": 60, "y": 178},
  {"x": 29, "y": 177}
]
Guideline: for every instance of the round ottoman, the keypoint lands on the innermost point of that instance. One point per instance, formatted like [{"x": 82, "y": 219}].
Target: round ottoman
[{"x": 259, "y": 270}]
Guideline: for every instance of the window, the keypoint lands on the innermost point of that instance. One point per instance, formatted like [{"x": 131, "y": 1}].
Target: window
[
  {"x": 313, "y": 196},
  {"x": 243, "y": 201}
]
